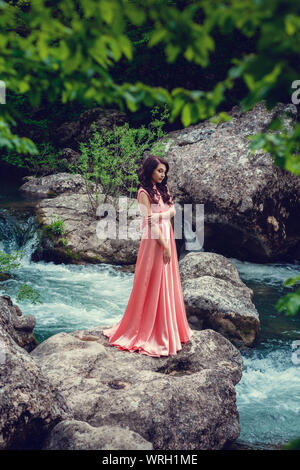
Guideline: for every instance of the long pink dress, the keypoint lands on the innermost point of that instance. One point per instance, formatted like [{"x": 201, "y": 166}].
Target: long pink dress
[{"x": 154, "y": 322}]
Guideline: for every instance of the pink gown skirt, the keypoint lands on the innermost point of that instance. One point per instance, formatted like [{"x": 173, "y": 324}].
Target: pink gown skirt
[{"x": 154, "y": 322}]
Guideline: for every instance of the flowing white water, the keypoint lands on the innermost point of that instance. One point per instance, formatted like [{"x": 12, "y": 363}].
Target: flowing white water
[
  {"x": 268, "y": 395},
  {"x": 74, "y": 296}
]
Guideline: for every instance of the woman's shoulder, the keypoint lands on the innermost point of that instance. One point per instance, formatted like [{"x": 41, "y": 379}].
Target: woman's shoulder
[{"x": 143, "y": 190}]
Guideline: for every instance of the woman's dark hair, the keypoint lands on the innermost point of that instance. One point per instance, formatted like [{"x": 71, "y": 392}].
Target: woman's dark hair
[{"x": 145, "y": 175}]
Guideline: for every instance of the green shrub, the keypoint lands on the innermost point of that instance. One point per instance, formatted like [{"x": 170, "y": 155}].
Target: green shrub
[
  {"x": 28, "y": 293},
  {"x": 47, "y": 159},
  {"x": 62, "y": 241},
  {"x": 57, "y": 227},
  {"x": 9, "y": 262},
  {"x": 110, "y": 160}
]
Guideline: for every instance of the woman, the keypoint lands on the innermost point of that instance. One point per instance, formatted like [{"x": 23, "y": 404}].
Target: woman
[{"x": 154, "y": 322}]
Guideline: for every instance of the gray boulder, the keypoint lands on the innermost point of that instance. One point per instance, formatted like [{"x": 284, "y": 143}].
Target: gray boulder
[
  {"x": 30, "y": 405},
  {"x": 72, "y": 133},
  {"x": 251, "y": 206},
  {"x": 215, "y": 297},
  {"x": 82, "y": 241},
  {"x": 52, "y": 185},
  {"x": 185, "y": 401},
  {"x": 78, "y": 435},
  {"x": 19, "y": 327}
]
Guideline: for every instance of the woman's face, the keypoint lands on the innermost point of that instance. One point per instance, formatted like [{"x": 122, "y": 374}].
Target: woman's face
[{"x": 159, "y": 173}]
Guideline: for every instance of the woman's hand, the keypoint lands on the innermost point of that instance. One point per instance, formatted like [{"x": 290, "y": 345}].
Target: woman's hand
[
  {"x": 167, "y": 254},
  {"x": 154, "y": 217}
]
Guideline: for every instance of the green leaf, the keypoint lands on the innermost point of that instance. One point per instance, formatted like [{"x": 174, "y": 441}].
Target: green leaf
[
  {"x": 178, "y": 104},
  {"x": 172, "y": 52},
  {"x": 126, "y": 46},
  {"x": 136, "y": 15},
  {"x": 289, "y": 25},
  {"x": 106, "y": 10},
  {"x": 189, "y": 53},
  {"x": 23, "y": 86},
  {"x": 157, "y": 36},
  {"x": 291, "y": 281},
  {"x": 116, "y": 50},
  {"x": 186, "y": 116}
]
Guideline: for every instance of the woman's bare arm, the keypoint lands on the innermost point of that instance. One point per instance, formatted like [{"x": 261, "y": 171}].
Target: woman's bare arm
[{"x": 145, "y": 207}]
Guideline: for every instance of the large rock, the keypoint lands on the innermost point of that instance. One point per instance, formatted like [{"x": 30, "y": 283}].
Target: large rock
[
  {"x": 64, "y": 197},
  {"x": 78, "y": 435},
  {"x": 184, "y": 401},
  {"x": 71, "y": 134},
  {"x": 52, "y": 185},
  {"x": 19, "y": 327},
  {"x": 30, "y": 406},
  {"x": 215, "y": 297},
  {"x": 82, "y": 241},
  {"x": 251, "y": 206}
]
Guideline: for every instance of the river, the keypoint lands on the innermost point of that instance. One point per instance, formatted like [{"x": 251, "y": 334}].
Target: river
[{"x": 84, "y": 296}]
